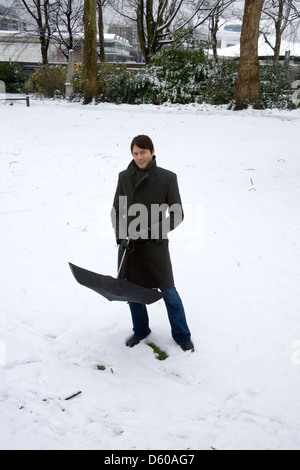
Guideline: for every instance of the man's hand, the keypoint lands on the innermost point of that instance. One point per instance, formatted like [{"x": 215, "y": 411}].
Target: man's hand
[{"x": 127, "y": 244}]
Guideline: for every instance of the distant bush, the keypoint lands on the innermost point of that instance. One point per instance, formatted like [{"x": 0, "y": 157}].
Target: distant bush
[
  {"x": 114, "y": 83},
  {"x": 48, "y": 81},
  {"x": 185, "y": 74},
  {"x": 13, "y": 76},
  {"x": 180, "y": 73},
  {"x": 219, "y": 85},
  {"x": 276, "y": 81}
]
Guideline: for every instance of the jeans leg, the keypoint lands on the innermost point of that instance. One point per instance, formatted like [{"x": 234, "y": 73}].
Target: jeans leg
[
  {"x": 140, "y": 320},
  {"x": 180, "y": 330}
]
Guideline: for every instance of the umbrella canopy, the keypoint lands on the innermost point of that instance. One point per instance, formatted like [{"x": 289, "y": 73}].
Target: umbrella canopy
[{"x": 115, "y": 289}]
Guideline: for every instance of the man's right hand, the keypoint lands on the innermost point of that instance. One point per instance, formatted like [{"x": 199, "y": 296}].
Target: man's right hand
[{"x": 127, "y": 244}]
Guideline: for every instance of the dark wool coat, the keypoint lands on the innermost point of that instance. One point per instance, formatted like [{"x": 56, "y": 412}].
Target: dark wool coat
[{"x": 149, "y": 265}]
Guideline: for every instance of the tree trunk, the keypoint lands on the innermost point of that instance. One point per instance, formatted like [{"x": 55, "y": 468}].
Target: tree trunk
[
  {"x": 69, "y": 14},
  {"x": 44, "y": 47},
  {"x": 278, "y": 29},
  {"x": 214, "y": 28},
  {"x": 40, "y": 12},
  {"x": 141, "y": 30},
  {"x": 101, "y": 30},
  {"x": 90, "y": 51},
  {"x": 248, "y": 90}
]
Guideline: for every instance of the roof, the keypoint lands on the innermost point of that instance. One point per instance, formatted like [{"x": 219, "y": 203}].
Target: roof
[
  {"x": 26, "y": 34},
  {"x": 234, "y": 27},
  {"x": 115, "y": 37}
]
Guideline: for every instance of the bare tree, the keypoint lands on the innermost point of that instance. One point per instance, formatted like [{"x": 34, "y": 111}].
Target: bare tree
[
  {"x": 158, "y": 20},
  {"x": 90, "y": 51},
  {"x": 279, "y": 15},
  {"x": 248, "y": 84},
  {"x": 40, "y": 11},
  {"x": 214, "y": 23},
  {"x": 67, "y": 23}
]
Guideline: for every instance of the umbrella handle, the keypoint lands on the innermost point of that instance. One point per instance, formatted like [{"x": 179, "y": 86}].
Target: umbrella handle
[
  {"x": 122, "y": 262},
  {"x": 124, "y": 255}
]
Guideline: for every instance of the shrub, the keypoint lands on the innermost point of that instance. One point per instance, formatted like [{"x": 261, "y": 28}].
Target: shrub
[
  {"x": 48, "y": 80},
  {"x": 219, "y": 85},
  {"x": 181, "y": 73},
  {"x": 114, "y": 83},
  {"x": 186, "y": 76},
  {"x": 276, "y": 83},
  {"x": 178, "y": 72},
  {"x": 13, "y": 76}
]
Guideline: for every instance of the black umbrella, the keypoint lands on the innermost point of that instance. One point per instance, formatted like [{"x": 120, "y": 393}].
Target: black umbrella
[{"x": 115, "y": 289}]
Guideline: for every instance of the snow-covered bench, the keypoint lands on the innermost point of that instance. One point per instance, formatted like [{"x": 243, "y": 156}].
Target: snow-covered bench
[
  {"x": 6, "y": 97},
  {"x": 22, "y": 98}
]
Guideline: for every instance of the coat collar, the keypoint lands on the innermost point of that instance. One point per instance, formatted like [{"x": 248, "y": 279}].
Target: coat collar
[{"x": 133, "y": 168}]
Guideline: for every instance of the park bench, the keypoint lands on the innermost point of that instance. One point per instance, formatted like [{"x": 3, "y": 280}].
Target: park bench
[{"x": 8, "y": 98}]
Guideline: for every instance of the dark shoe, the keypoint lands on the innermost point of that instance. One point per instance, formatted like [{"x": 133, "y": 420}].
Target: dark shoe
[
  {"x": 132, "y": 341},
  {"x": 187, "y": 346}
]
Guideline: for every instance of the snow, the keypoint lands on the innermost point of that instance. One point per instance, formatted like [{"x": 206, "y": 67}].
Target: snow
[{"x": 236, "y": 263}]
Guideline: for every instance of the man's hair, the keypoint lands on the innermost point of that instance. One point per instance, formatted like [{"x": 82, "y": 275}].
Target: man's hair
[{"x": 143, "y": 142}]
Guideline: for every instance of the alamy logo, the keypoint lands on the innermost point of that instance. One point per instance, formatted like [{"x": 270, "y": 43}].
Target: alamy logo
[
  {"x": 139, "y": 222},
  {"x": 155, "y": 223},
  {"x": 295, "y": 96},
  {"x": 2, "y": 353},
  {"x": 2, "y": 91}
]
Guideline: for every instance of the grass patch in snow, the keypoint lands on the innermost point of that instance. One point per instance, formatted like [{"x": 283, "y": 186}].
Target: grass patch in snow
[{"x": 159, "y": 354}]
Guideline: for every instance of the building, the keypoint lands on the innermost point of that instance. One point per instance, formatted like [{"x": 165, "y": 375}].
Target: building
[
  {"x": 265, "y": 51},
  {"x": 229, "y": 35},
  {"x": 20, "y": 46},
  {"x": 25, "y": 48},
  {"x": 10, "y": 21},
  {"x": 117, "y": 48},
  {"x": 129, "y": 33}
]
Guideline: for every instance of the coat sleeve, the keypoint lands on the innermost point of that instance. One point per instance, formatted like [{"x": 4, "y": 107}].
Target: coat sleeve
[
  {"x": 176, "y": 213},
  {"x": 171, "y": 213},
  {"x": 119, "y": 213}
]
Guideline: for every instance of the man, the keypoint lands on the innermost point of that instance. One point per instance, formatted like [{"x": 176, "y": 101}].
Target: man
[{"x": 144, "y": 194}]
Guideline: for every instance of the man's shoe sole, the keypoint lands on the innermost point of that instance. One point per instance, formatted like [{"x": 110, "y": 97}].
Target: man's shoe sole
[
  {"x": 187, "y": 346},
  {"x": 133, "y": 341}
]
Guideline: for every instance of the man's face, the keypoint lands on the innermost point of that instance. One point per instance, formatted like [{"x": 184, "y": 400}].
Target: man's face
[{"x": 142, "y": 157}]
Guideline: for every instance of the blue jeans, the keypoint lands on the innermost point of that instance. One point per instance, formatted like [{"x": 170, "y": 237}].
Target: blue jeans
[{"x": 180, "y": 330}]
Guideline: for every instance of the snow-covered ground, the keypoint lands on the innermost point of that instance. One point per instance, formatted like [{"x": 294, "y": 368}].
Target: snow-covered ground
[{"x": 236, "y": 262}]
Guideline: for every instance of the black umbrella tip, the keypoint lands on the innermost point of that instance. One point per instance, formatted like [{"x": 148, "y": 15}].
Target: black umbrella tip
[{"x": 73, "y": 268}]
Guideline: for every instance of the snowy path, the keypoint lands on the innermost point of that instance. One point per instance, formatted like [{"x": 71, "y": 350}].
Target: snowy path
[{"x": 236, "y": 262}]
